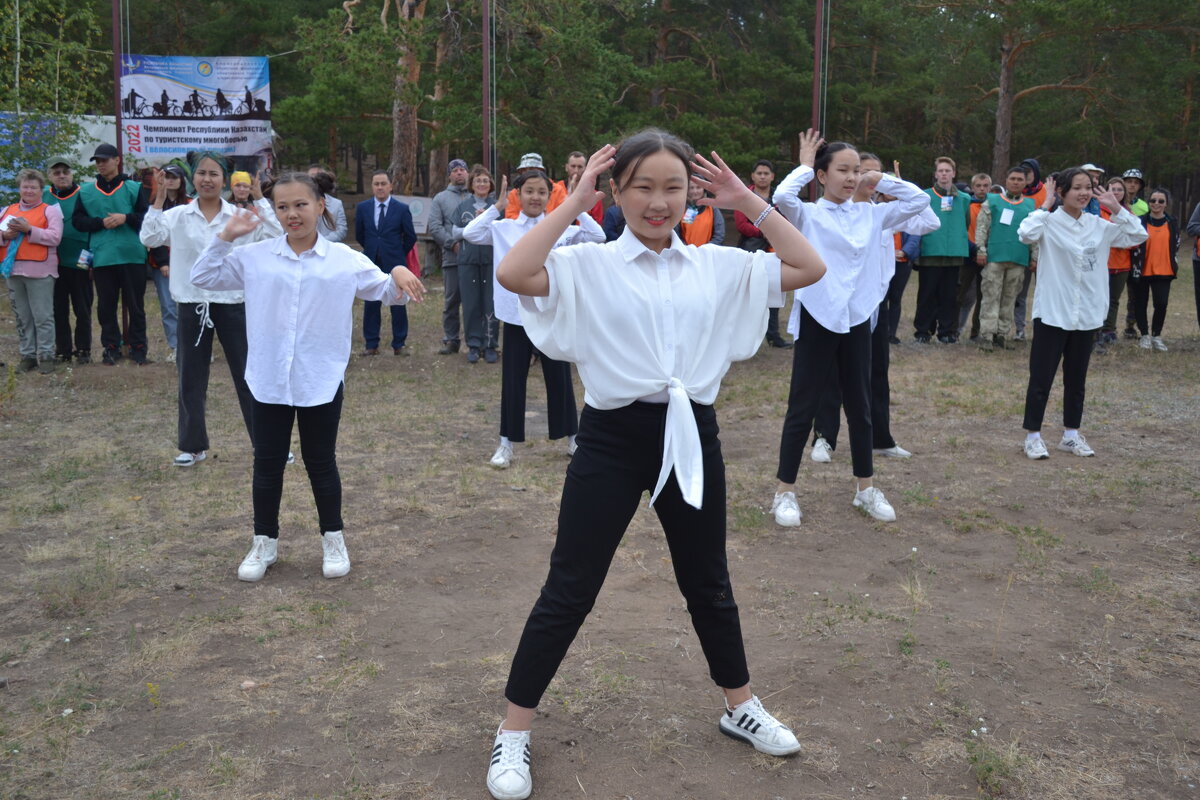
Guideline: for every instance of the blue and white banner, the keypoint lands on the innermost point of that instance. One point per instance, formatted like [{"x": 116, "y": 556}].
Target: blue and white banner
[{"x": 171, "y": 105}]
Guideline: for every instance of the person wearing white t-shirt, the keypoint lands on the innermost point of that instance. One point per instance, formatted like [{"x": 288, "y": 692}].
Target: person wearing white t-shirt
[
  {"x": 1071, "y": 299},
  {"x": 299, "y": 292},
  {"x": 652, "y": 325}
]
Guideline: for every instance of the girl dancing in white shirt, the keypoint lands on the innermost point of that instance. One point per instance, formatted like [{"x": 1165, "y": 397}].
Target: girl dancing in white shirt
[
  {"x": 653, "y": 326},
  {"x": 300, "y": 290}
]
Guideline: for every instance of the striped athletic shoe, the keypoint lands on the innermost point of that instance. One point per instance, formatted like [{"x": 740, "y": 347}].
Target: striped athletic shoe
[
  {"x": 508, "y": 775},
  {"x": 751, "y": 723}
]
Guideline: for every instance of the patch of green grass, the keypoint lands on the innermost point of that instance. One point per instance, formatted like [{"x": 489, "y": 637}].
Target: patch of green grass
[
  {"x": 82, "y": 589},
  {"x": 907, "y": 643},
  {"x": 1097, "y": 581},
  {"x": 918, "y": 495},
  {"x": 994, "y": 768},
  {"x": 1032, "y": 544}
]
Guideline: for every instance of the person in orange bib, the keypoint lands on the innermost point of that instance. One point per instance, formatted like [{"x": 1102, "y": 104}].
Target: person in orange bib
[
  {"x": 1119, "y": 262},
  {"x": 1153, "y": 270},
  {"x": 30, "y": 231}
]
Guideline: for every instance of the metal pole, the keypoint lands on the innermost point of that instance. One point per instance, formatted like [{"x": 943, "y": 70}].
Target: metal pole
[
  {"x": 116, "y": 26},
  {"x": 818, "y": 49},
  {"x": 17, "y": 83},
  {"x": 487, "y": 84}
]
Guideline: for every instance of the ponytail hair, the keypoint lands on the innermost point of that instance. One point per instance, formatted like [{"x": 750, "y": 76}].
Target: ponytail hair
[
  {"x": 826, "y": 152},
  {"x": 311, "y": 185}
]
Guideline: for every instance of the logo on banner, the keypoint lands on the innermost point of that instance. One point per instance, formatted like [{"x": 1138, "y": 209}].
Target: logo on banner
[{"x": 204, "y": 68}]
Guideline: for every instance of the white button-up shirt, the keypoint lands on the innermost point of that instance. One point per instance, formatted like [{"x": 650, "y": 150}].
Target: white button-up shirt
[
  {"x": 1072, "y": 268},
  {"x": 639, "y": 324},
  {"x": 185, "y": 230},
  {"x": 846, "y": 235},
  {"x": 502, "y": 234},
  {"x": 298, "y": 311}
]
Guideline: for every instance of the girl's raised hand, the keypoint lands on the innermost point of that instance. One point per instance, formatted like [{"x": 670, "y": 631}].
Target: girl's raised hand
[
  {"x": 502, "y": 196},
  {"x": 716, "y": 177},
  {"x": 1051, "y": 193},
  {"x": 1107, "y": 199},
  {"x": 810, "y": 141},
  {"x": 242, "y": 222},
  {"x": 584, "y": 195},
  {"x": 256, "y": 192}
]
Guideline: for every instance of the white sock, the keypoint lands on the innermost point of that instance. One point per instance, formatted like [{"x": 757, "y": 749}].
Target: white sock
[
  {"x": 1029, "y": 437},
  {"x": 1070, "y": 434},
  {"x": 504, "y": 442}
]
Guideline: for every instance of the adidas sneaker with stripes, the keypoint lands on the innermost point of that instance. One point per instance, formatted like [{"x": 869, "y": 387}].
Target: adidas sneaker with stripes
[{"x": 753, "y": 724}]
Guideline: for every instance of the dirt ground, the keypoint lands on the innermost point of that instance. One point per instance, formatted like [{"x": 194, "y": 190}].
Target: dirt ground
[{"x": 1024, "y": 630}]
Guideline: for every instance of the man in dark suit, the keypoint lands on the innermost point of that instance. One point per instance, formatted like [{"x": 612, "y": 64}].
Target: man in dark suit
[{"x": 384, "y": 227}]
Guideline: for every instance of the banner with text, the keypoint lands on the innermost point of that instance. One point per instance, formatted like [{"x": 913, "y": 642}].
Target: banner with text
[{"x": 171, "y": 105}]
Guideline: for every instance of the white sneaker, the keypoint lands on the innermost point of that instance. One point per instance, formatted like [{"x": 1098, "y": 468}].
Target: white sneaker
[
  {"x": 508, "y": 775},
  {"x": 1035, "y": 449},
  {"x": 1146, "y": 343},
  {"x": 291, "y": 457},
  {"x": 751, "y": 723},
  {"x": 1078, "y": 446},
  {"x": 171, "y": 357},
  {"x": 189, "y": 459},
  {"x": 502, "y": 457},
  {"x": 263, "y": 553},
  {"x": 822, "y": 453},
  {"x": 786, "y": 509},
  {"x": 871, "y": 501},
  {"x": 895, "y": 451},
  {"x": 1158, "y": 344},
  {"x": 336, "y": 561},
  {"x": 572, "y": 446}
]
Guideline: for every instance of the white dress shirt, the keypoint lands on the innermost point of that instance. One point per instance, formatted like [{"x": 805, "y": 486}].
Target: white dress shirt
[
  {"x": 1072, "y": 267},
  {"x": 185, "y": 230},
  {"x": 298, "y": 311},
  {"x": 846, "y": 235},
  {"x": 502, "y": 234},
  {"x": 340, "y": 228},
  {"x": 639, "y": 325}
]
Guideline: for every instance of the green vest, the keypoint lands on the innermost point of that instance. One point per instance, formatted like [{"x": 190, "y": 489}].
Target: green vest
[
  {"x": 950, "y": 240},
  {"x": 1140, "y": 208},
  {"x": 118, "y": 245},
  {"x": 73, "y": 240},
  {"x": 1003, "y": 246}
]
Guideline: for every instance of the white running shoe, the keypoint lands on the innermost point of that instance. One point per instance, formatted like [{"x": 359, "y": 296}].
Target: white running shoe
[
  {"x": 1158, "y": 344},
  {"x": 822, "y": 453},
  {"x": 189, "y": 459},
  {"x": 502, "y": 457},
  {"x": 1146, "y": 342},
  {"x": 263, "y": 553},
  {"x": 751, "y": 723},
  {"x": 895, "y": 451},
  {"x": 572, "y": 445},
  {"x": 171, "y": 357},
  {"x": 508, "y": 775},
  {"x": 1078, "y": 446},
  {"x": 1035, "y": 449},
  {"x": 291, "y": 459},
  {"x": 872, "y": 502},
  {"x": 336, "y": 561},
  {"x": 786, "y": 509}
]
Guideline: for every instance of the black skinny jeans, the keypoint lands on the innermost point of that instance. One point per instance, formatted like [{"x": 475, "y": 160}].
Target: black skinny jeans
[
  {"x": 73, "y": 292},
  {"x": 619, "y": 456},
  {"x": 1051, "y": 345},
  {"x": 814, "y": 357},
  {"x": 272, "y": 430},
  {"x": 562, "y": 418},
  {"x": 1140, "y": 292},
  {"x": 828, "y": 422}
]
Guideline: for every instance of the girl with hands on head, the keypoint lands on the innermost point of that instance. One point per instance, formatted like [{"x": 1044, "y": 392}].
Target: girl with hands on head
[
  {"x": 832, "y": 320},
  {"x": 652, "y": 325},
  {"x": 299, "y": 290}
]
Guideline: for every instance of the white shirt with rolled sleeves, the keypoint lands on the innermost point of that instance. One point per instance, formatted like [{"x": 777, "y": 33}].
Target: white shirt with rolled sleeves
[
  {"x": 502, "y": 234},
  {"x": 186, "y": 231},
  {"x": 846, "y": 236},
  {"x": 298, "y": 311},
  {"x": 643, "y": 326},
  {"x": 1072, "y": 268}
]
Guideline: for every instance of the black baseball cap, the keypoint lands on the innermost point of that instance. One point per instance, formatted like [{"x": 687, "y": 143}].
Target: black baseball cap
[{"x": 105, "y": 150}]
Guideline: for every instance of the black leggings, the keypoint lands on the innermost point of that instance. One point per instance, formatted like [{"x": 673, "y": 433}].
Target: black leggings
[
  {"x": 1051, "y": 345},
  {"x": 619, "y": 456},
  {"x": 272, "y": 431},
  {"x": 562, "y": 418},
  {"x": 1140, "y": 291},
  {"x": 828, "y": 421}
]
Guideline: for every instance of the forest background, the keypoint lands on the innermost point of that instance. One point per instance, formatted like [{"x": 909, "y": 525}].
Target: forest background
[{"x": 398, "y": 83}]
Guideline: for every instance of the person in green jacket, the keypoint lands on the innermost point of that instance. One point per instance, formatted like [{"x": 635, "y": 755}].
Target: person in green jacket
[
  {"x": 73, "y": 289},
  {"x": 1004, "y": 258},
  {"x": 941, "y": 258}
]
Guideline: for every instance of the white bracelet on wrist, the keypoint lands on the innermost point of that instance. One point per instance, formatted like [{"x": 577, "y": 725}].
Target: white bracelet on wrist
[{"x": 765, "y": 213}]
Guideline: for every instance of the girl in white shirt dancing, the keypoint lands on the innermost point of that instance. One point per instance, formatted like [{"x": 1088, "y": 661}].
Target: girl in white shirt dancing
[
  {"x": 299, "y": 293},
  {"x": 653, "y": 326}
]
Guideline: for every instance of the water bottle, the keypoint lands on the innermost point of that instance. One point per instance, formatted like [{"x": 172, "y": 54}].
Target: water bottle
[{"x": 85, "y": 259}]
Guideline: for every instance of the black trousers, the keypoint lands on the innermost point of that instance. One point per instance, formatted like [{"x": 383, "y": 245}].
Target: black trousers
[
  {"x": 73, "y": 292},
  {"x": 968, "y": 295},
  {"x": 272, "y": 426},
  {"x": 816, "y": 354},
  {"x": 937, "y": 310},
  {"x": 194, "y": 361},
  {"x": 1196, "y": 284},
  {"x": 561, "y": 411},
  {"x": 895, "y": 293},
  {"x": 1140, "y": 291},
  {"x": 126, "y": 282},
  {"x": 773, "y": 334},
  {"x": 828, "y": 421},
  {"x": 480, "y": 326},
  {"x": 1051, "y": 345},
  {"x": 619, "y": 456}
]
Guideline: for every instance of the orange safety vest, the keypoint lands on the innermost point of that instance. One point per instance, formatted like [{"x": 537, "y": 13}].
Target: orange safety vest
[
  {"x": 1158, "y": 256},
  {"x": 975, "y": 207},
  {"x": 700, "y": 230},
  {"x": 28, "y": 251},
  {"x": 1119, "y": 258},
  {"x": 558, "y": 193},
  {"x": 896, "y": 243}
]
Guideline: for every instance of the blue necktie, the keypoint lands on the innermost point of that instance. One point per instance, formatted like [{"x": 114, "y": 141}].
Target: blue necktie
[{"x": 379, "y": 221}]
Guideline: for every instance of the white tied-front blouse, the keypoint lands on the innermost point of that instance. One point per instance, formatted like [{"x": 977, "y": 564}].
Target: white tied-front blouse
[
  {"x": 639, "y": 325},
  {"x": 298, "y": 311}
]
